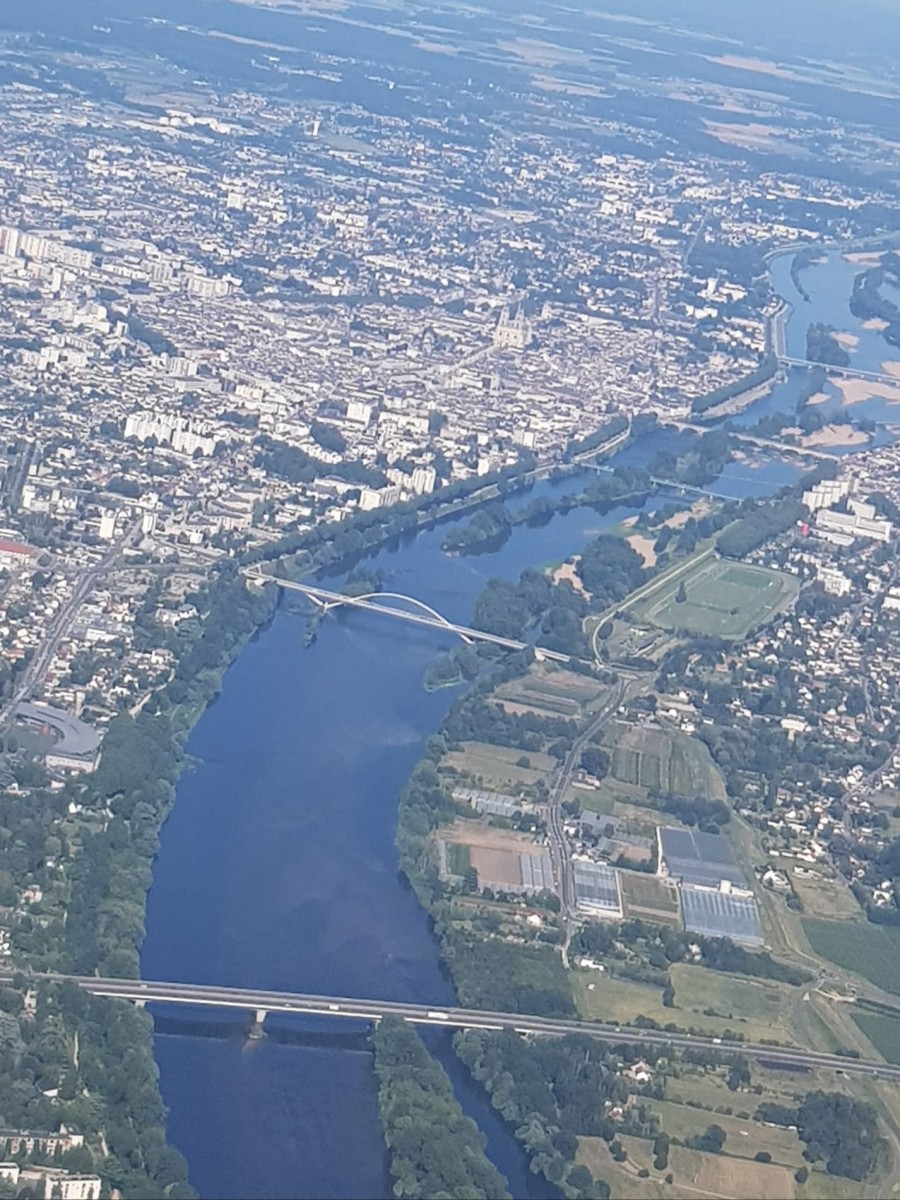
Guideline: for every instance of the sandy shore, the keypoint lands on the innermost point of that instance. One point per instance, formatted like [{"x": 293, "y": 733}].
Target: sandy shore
[
  {"x": 837, "y": 435},
  {"x": 643, "y": 545},
  {"x": 854, "y": 391},
  {"x": 876, "y": 324},
  {"x": 865, "y": 258},
  {"x": 891, "y": 368},
  {"x": 818, "y": 398},
  {"x": 848, "y": 340},
  {"x": 567, "y": 572}
]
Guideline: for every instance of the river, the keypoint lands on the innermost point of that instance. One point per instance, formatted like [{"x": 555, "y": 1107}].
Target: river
[{"x": 277, "y": 867}]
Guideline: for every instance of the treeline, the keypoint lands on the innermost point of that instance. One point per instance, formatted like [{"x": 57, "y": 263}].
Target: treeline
[
  {"x": 593, "y": 441},
  {"x": 760, "y": 526},
  {"x": 838, "y": 1130},
  {"x": 763, "y": 373},
  {"x": 82, "y": 1061},
  {"x": 555, "y": 1090},
  {"x": 487, "y": 530},
  {"x": 867, "y": 303},
  {"x": 720, "y": 954},
  {"x": 296, "y": 466},
  {"x": 434, "y": 1149},
  {"x": 610, "y": 570},
  {"x": 823, "y": 347}
]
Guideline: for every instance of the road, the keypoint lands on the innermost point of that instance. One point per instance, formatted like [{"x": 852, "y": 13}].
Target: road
[
  {"x": 558, "y": 844},
  {"x": 263, "y": 1003},
  {"x": 60, "y": 625}
]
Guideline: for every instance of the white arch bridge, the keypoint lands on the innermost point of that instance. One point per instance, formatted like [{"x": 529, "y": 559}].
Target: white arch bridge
[{"x": 416, "y": 612}]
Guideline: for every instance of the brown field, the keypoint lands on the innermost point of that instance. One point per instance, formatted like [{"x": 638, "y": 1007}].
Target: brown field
[
  {"x": 494, "y": 853},
  {"x": 495, "y": 866},
  {"x": 648, "y": 897}
]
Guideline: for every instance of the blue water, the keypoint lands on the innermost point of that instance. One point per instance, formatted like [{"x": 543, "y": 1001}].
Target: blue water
[{"x": 278, "y": 867}]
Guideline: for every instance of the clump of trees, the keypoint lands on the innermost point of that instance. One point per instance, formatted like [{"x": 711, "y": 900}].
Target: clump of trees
[
  {"x": 838, "y": 1130},
  {"x": 434, "y": 1149},
  {"x": 823, "y": 347}
]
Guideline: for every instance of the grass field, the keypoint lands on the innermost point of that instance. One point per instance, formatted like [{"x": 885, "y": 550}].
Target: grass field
[
  {"x": 883, "y": 1032},
  {"x": 597, "y": 801},
  {"x": 496, "y": 766},
  {"x": 744, "y": 1138},
  {"x": 872, "y": 951},
  {"x": 826, "y": 898},
  {"x": 740, "y": 1005},
  {"x": 458, "y": 858},
  {"x": 723, "y": 599},
  {"x": 756, "y": 1008}
]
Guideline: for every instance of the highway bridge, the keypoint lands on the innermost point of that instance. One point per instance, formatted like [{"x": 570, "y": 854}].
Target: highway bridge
[
  {"x": 262, "y": 1003},
  {"x": 416, "y": 612}
]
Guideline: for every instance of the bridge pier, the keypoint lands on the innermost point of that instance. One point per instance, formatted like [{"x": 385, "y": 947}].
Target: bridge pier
[{"x": 259, "y": 1020}]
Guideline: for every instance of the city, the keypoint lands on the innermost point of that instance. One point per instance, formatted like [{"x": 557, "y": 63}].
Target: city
[{"x": 584, "y": 368}]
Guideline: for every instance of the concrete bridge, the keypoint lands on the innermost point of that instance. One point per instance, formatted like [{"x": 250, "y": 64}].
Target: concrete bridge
[
  {"x": 416, "y": 613},
  {"x": 262, "y": 1003},
  {"x": 845, "y": 372}
]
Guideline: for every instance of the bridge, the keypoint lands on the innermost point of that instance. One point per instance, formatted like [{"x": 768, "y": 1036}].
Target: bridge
[
  {"x": 418, "y": 613},
  {"x": 846, "y": 372},
  {"x": 672, "y": 485},
  {"x": 263, "y": 1003}
]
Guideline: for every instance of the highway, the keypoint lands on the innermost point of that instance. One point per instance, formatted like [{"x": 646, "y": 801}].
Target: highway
[
  {"x": 262, "y": 1003},
  {"x": 427, "y": 616}
]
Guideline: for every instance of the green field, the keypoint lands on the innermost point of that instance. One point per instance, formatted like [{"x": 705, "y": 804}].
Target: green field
[
  {"x": 744, "y": 1138},
  {"x": 872, "y": 951},
  {"x": 882, "y": 1031},
  {"x": 458, "y": 858},
  {"x": 662, "y": 760},
  {"x": 722, "y": 599}
]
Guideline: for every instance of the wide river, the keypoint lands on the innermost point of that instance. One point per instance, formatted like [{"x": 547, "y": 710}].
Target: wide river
[{"x": 278, "y": 869}]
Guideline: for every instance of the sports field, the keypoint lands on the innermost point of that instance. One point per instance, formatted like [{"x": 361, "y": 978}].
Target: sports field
[{"x": 719, "y": 598}]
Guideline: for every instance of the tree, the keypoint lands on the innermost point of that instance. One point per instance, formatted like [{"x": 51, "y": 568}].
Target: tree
[
  {"x": 681, "y": 594},
  {"x": 668, "y": 996}
]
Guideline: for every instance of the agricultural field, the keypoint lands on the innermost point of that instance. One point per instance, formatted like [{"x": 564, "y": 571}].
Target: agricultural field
[
  {"x": 830, "y": 899},
  {"x": 662, "y": 760},
  {"x": 497, "y": 768},
  {"x": 647, "y": 897},
  {"x": 717, "y": 598},
  {"x": 550, "y": 691},
  {"x": 882, "y": 1030},
  {"x": 872, "y": 951}
]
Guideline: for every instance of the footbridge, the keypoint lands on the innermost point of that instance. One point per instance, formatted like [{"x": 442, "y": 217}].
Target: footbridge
[
  {"x": 844, "y": 372},
  {"x": 414, "y": 611},
  {"x": 263, "y": 1003}
]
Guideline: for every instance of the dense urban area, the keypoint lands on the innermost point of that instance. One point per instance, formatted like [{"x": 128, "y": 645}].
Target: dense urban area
[{"x": 267, "y": 309}]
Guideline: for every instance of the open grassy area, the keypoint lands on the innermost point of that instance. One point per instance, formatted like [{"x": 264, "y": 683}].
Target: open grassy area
[
  {"x": 826, "y": 898},
  {"x": 596, "y": 800},
  {"x": 882, "y": 1030},
  {"x": 744, "y": 1138},
  {"x": 721, "y": 598},
  {"x": 757, "y": 1008},
  {"x": 753, "y": 1008},
  {"x": 872, "y": 951},
  {"x": 496, "y": 767},
  {"x": 458, "y": 858}
]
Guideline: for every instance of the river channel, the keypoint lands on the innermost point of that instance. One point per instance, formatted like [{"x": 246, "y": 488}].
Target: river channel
[{"x": 277, "y": 867}]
